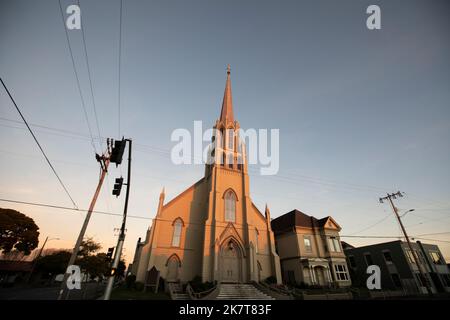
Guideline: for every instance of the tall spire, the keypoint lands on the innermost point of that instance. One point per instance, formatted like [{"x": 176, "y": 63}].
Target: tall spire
[{"x": 226, "y": 115}]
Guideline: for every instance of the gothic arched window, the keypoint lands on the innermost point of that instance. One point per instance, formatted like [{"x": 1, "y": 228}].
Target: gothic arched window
[
  {"x": 230, "y": 139},
  {"x": 230, "y": 206},
  {"x": 256, "y": 240},
  {"x": 230, "y": 160},
  {"x": 176, "y": 237}
]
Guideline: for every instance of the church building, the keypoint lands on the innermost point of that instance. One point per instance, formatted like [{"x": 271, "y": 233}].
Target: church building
[{"x": 213, "y": 229}]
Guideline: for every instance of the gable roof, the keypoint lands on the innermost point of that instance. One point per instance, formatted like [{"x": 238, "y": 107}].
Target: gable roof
[
  {"x": 184, "y": 192},
  {"x": 296, "y": 218}
]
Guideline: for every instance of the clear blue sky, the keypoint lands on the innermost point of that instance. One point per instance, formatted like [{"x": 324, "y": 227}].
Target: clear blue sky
[{"x": 360, "y": 112}]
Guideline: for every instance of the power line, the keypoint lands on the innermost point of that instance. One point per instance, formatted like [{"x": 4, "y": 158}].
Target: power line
[
  {"x": 166, "y": 153},
  {"x": 68, "y": 208},
  {"x": 192, "y": 223},
  {"x": 90, "y": 80},
  {"x": 120, "y": 59},
  {"x": 370, "y": 237},
  {"x": 39, "y": 145},
  {"x": 76, "y": 77},
  {"x": 373, "y": 225},
  {"x": 391, "y": 237}
]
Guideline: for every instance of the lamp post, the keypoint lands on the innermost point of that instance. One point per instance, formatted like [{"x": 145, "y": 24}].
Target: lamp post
[
  {"x": 38, "y": 256},
  {"x": 410, "y": 210}
]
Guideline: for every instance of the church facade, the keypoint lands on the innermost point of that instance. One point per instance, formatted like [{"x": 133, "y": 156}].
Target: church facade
[{"x": 213, "y": 229}]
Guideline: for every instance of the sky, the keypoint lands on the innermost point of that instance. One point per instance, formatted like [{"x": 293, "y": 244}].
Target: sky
[{"x": 360, "y": 112}]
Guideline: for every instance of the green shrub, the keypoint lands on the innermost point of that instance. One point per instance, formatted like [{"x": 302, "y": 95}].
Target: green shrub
[
  {"x": 139, "y": 286},
  {"x": 271, "y": 280},
  {"x": 130, "y": 281},
  {"x": 199, "y": 286}
]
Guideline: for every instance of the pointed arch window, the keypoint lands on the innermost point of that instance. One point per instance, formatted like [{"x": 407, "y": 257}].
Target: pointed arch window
[
  {"x": 230, "y": 139},
  {"x": 230, "y": 206},
  {"x": 256, "y": 240},
  {"x": 230, "y": 160},
  {"x": 177, "y": 228}
]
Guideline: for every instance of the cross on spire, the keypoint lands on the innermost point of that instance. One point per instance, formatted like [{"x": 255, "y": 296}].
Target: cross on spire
[{"x": 226, "y": 115}]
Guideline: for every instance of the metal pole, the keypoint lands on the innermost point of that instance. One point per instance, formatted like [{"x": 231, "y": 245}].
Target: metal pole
[
  {"x": 76, "y": 249},
  {"x": 121, "y": 239},
  {"x": 416, "y": 258},
  {"x": 35, "y": 260}
]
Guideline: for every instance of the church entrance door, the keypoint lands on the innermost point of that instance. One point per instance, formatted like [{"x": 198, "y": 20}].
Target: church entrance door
[
  {"x": 172, "y": 269},
  {"x": 230, "y": 262}
]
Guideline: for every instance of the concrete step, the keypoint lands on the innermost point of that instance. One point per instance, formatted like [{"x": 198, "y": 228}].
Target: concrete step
[{"x": 241, "y": 292}]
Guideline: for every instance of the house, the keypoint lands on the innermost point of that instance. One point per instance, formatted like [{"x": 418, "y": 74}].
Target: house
[
  {"x": 398, "y": 267},
  {"x": 212, "y": 230},
  {"x": 310, "y": 250},
  {"x": 12, "y": 271}
]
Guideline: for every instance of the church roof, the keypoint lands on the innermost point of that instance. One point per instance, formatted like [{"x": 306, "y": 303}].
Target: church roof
[{"x": 226, "y": 115}]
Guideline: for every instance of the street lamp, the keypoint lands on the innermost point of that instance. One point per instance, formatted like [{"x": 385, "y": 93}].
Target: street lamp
[
  {"x": 410, "y": 210},
  {"x": 38, "y": 256}
]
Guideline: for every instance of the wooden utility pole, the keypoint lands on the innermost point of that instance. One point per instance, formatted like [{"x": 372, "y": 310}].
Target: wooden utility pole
[
  {"x": 413, "y": 252},
  {"x": 104, "y": 163}
]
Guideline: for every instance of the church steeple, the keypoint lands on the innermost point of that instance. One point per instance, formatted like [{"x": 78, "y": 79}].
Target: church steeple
[{"x": 226, "y": 115}]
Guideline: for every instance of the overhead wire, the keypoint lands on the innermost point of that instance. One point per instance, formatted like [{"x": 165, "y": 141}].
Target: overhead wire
[{"x": 39, "y": 145}]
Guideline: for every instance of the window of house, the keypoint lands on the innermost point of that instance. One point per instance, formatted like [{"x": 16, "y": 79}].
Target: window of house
[
  {"x": 446, "y": 279},
  {"x": 341, "y": 272},
  {"x": 410, "y": 256},
  {"x": 230, "y": 206},
  {"x": 334, "y": 244},
  {"x": 352, "y": 261},
  {"x": 396, "y": 280},
  {"x": 387, "y": 257},
  {"x": 435, "y": 257},
  {"x": 176, "y": 238},
  {"x": 420, "y": 279},
  {"x": 307, "y": 242},
  {"x": 368, "y": 258}
]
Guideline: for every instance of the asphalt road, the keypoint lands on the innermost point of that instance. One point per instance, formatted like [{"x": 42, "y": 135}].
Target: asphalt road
[{"x": 88, "y": 291}]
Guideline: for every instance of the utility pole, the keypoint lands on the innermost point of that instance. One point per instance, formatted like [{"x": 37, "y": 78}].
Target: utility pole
[
  {"x": 37, "y": 258},
  {"x": 413, "y": 252},
  {"x": 104, "y": 163},
  {"x": 121, "y": 238}
]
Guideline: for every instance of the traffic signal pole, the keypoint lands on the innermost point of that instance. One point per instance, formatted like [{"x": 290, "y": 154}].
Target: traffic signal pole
[
  {"x": 121, "y": 239},
  {"x": 76, "y": 249}
]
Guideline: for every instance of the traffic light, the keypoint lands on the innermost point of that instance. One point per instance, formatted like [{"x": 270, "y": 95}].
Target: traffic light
[
  {"x": 117, "y": 152},
  {"x": 109, "y": 254},
  {"x": 117, "y": 186}
]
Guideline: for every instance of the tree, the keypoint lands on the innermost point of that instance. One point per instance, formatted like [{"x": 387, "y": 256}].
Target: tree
[
  {"x": 17, "y": 232},
  {"x": 88, "y": 247},
  {"x": 54, "y": 263},
  {"x": 96, "y": 265}
]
